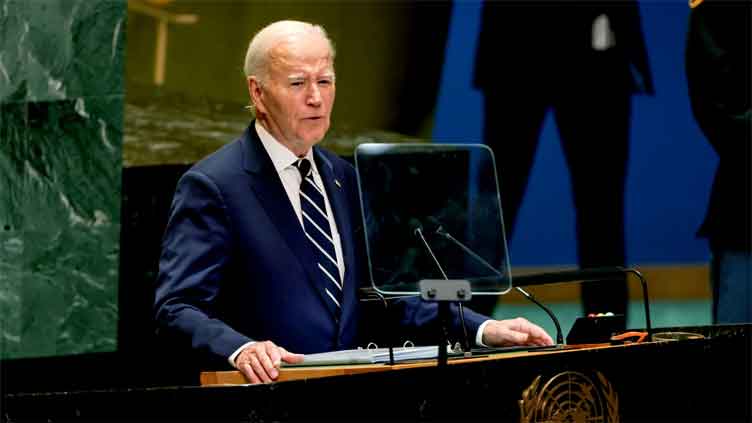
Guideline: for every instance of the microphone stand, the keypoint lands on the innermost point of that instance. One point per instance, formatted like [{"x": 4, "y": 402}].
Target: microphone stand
[
  {"x": 559, "y": 337},
  {"x": 443, "y": 292}
]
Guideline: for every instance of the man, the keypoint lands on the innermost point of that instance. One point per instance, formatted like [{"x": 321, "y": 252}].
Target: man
[
  {"x": 719, "y": 68},
  {"x": 584, "y": 61},
  {"x": 263, "y": 249}
]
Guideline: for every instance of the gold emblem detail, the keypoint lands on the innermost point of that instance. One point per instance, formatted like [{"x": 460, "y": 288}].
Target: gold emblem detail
[
  {"x": 694, "y": 3},
  {"x": 570, "y": 397}
]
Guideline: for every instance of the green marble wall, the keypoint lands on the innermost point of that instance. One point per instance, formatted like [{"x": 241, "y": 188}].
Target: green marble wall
[{"x": 61, "y": 132}]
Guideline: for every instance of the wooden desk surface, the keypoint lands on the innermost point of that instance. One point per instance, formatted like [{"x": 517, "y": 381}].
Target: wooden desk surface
[{"x": 234, "y": 377}]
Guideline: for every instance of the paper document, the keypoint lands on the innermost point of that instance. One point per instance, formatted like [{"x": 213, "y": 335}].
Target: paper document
[
  {"x": 367, "y": 356},
  {"x": 381, "y": 355}
]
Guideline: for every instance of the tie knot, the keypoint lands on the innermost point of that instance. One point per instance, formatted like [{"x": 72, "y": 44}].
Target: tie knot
[{"x": 304, "y": 167}]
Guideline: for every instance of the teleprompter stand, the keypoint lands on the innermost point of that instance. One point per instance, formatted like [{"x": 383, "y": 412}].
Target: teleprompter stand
[{"x": 444, "y": 292}]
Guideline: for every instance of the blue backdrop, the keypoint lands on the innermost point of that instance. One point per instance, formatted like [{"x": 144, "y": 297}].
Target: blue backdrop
[{"x": 670, "y": 169}]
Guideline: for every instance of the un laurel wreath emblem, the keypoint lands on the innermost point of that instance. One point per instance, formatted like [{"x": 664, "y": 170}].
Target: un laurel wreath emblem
[{"x": 570, "y": 397}]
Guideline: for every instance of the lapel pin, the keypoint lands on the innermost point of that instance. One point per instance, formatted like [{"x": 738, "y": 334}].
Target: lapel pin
[{"x": 336, "y": 182}]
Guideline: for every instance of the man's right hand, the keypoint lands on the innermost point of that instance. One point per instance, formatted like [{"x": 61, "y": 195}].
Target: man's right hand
[{"x": 259, "y": 362}]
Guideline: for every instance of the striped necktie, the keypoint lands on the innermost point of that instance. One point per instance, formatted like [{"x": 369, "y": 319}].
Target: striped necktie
[{"x": 317, "y": 230}]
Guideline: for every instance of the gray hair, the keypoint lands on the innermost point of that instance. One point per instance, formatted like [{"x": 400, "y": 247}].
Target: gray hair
[{"x": 256, "y": 58}]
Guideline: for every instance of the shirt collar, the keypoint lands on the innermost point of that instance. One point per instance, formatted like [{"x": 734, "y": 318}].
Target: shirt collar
[{"x": 282, "y": 158}]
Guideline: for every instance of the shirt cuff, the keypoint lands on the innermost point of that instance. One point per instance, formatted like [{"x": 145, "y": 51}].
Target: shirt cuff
[
  {"x": 235, "y": 355},
  {"x": 479, "y": 334}
]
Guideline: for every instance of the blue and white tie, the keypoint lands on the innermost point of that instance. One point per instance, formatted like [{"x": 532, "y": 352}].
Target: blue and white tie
[{"x": 318, "y": 232}]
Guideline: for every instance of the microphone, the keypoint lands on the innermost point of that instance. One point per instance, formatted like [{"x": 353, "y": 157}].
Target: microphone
[
  {"x": 589, "y": 275},
  {"x": 416, "y": 228},
  {"x": 442, "y": 232}
]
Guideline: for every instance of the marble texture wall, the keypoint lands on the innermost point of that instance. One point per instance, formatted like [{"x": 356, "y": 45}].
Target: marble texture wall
[{"x": 61, "y": 132}]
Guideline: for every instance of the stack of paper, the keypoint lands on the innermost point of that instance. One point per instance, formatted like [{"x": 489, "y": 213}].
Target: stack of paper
[{"x": 367, "y": 356}]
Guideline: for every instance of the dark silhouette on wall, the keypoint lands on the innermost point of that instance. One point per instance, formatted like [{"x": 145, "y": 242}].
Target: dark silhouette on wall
[{"x": 583, "y": 60}]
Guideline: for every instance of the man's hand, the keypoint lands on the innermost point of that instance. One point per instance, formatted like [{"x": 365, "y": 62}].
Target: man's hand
[
  {"x": 259, "y": 362},
  {"x": 519, "y": 331}
]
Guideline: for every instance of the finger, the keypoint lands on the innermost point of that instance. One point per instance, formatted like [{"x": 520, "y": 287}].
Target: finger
[
  {"x": 259, "y": 368},
  {"x": 537, "y": 335},
  {"x": 540, "y": 342},
  {"x": 535, "y": 332},
  {"x": 266, "y": 361},
  {"x": 275, "y": 354},
  {"x": 546, "y": 339},
  {"x": 540, "y": 336},
  {"x": 249, "y": 374},
  {"x": 289, "y": 357}
]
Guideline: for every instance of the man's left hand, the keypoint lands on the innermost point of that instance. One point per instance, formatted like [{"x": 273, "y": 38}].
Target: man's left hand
[{"x": 519, "y": 331}]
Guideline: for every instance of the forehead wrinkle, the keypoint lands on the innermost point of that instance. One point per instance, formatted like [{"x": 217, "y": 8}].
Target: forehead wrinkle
[
  {"x": 326, "y": 73},
  {"x": 289, "y": 60},
  {"x": 291, "y": 71},
  {"x": 297, "y": 48}
]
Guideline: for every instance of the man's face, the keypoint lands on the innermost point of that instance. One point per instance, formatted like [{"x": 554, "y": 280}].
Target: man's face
[{"x": 295, "y": 101}]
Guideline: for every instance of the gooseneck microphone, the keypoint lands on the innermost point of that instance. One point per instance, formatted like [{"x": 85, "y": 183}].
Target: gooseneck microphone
[
  {"x": 442, "y": 232},
  {"x": 586, "y": 275}
]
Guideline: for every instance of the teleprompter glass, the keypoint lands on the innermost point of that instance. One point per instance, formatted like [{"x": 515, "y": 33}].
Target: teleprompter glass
[{"x": 432, "y": 211}]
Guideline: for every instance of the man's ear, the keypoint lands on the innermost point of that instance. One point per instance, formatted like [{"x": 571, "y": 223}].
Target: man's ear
[{"x": 256, "y": 93}]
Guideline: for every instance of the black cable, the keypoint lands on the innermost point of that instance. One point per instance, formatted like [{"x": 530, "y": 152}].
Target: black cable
[{"x": 464, "y": 327}]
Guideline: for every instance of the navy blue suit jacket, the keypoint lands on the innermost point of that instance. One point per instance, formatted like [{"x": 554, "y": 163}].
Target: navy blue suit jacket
[{"x": 236, "y": 265}]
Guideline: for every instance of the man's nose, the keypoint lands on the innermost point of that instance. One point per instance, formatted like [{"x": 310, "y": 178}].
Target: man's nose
[{"x": 314, "y": 96}]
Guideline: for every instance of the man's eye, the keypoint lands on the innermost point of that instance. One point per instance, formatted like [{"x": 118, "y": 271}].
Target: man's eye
[
  {"x": 325, "y": 81},
  {"x": 297, "y": 83}
]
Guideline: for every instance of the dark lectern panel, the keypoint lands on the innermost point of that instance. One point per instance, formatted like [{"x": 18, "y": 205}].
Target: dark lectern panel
[{"x": 694, "y": 380}]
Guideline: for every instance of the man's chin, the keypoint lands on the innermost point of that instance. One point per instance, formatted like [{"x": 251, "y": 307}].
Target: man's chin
[{"x": 313, "y": 138}]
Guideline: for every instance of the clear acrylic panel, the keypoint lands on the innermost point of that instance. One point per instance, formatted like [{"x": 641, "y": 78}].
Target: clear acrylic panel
[{"x": 432, "y": 211}]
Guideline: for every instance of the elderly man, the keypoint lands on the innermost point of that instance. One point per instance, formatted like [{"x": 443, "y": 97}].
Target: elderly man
[{"x": 263, "y": 249}]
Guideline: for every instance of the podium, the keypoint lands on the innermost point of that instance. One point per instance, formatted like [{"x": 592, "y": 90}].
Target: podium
[{"x": 692, "y": 380}]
